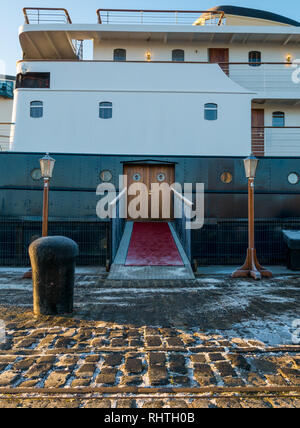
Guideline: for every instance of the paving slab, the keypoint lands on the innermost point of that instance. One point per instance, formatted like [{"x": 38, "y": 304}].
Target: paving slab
[{"x": 175, "y": 335}]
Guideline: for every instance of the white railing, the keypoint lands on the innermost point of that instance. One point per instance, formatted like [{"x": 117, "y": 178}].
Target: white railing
[
  {"x": 182, "y": 214},
  {"x": 266, "y": 77},
  {"x": 117, "y": 211},
  {"x": 276, "y": 141},
  {"x": 282, "y": 141},
  {"x": 6, "y": 132}
]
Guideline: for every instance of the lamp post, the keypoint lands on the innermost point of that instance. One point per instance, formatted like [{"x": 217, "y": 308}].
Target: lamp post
[
  {"x": 251, "y": 266},
  {"x": 47, "y": 166}
]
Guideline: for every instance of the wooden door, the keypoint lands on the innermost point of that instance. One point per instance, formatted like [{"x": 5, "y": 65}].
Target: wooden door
[
  {"x": 149, "y": 175},
  {"x": 136, "y": 174},
  {"x": 258, "y": 131},
  {"x": 161, "y": 204},
  {"x": 220, "y": 56}
]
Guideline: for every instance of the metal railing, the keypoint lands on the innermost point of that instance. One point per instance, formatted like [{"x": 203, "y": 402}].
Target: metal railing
[
  {"x": 276, "y": 141},
  {"x": 6, "y": 133},
  {"x": 160, "y": 17},
  {"x": 117, "y": 221},
  {"x": 183, "y": 206},
  {"x": 17, "y": 234},
  {"x": 42, "y": 15},
  {"x": 222, "y": 242},
  {"x": 225, "y": 241},
  {"x": 264, "y": 77}
]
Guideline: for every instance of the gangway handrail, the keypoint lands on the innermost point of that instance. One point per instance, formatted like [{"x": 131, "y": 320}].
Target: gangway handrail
[
  {"x": 183, "y": 198},
  {"x": 117, "y": 224},
  {"x": 180, "y": 223},
  {"x": 120, "y": 195}
]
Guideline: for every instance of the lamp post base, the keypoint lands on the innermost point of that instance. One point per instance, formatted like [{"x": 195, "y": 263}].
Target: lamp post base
[
  {"x": 251, "y": 268},
  {"x": 27, "y": 275}
]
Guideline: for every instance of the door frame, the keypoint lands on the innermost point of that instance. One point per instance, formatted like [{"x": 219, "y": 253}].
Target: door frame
[
  {"x": 148, "y": 164},
  {"x": 224, "y": 65}
]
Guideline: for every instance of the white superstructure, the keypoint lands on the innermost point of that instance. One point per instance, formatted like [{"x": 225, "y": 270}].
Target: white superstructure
[{"x": 160, "y": 83}]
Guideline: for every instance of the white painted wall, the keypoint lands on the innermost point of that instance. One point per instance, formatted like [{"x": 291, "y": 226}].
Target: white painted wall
[
  {"x": 292, "y": 112},
  {"x": 283, "y": 141},
  {"x": 6, "y": 108},
  {"x": 158, "y": 109},
  {"x": 193, "y": 51}
]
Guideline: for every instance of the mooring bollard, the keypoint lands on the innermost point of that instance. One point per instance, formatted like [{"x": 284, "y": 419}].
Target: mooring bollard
[{"x": 53, "y": 272}]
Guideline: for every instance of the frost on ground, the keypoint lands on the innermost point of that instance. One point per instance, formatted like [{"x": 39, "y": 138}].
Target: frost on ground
[{"x": 260, "y": 310}]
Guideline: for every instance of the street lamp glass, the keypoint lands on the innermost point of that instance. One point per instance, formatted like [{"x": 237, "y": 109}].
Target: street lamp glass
[
  {"x": 250, "y": 166},
  {"x": 47, "y": 166}
]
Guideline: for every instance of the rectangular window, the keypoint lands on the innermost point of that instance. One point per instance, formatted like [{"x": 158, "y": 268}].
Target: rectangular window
[
  {"x": 278, "y": 119},
  {"x": 105, "y": 110},
  {"x": 6, "y": 89},
  {"x": 210, "y": 111},
  {"x": 254, "y": 58},
  {"x": 33, "y": 80},
  {"x": 36, "y": 109},
  {"x": 120, "y": 55},
  {"x": 178, "y": 55}
]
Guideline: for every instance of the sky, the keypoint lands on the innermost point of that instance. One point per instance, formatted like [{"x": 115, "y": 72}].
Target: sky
[{"x": 84, "y": 11}]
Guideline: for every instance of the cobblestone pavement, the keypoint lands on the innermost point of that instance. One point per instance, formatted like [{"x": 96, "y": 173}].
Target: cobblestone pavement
[{"x": 153, "y": 344}]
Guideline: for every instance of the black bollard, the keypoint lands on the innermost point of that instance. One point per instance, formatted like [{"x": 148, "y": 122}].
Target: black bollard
[{"x": 53, "y": 272}]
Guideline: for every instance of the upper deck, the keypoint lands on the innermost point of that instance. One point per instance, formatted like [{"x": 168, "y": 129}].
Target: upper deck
[{"x": 51, "y": 34}]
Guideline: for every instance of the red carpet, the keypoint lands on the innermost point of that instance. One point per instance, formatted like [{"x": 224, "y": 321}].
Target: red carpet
[{"x": 152, "y": 244}]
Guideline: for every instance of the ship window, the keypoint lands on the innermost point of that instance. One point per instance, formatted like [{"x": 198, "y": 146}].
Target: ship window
[
  {"x": 120, "y": 55},
  {"x": 178, "y": 55},
  {"x": 211, "y": 111},
  {"x": 226, "y": 177},
  {"x": 33, "y": 80},
  {"x": 278, "y": 119},
  {"x": 106, "y": 175},
  {"x": 293, "y": 178},
  {"x": 105, "y": 110},
  {"x": 36, "y": 174},
  {"x": 254, "y": 58},
  {"x": 36, "y": 109}
]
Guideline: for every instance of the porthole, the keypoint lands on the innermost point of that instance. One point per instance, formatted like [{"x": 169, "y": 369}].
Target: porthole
[
  {"x": 136, "y": 177},
  {"x": 226, "y": 177},
  {"x": 36, "y": 174},
  {"x": 293, "y": 178},
  {"x": 161, "y": 177},
  {"x": 106, "y": 175}
]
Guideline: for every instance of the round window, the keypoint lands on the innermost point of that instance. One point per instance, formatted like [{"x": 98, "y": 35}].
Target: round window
[
  {"x": 161, "y": 177},
  {"x": 136, "y": 177},
  {"x": 293, "y": 178},
  {"x": 106, "y": 175},
  {"x": 226, "y": 177},
  {"x": 36, "y": 174}
]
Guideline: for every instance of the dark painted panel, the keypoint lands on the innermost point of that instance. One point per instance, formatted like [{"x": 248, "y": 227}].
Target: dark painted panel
[{"x": 76, "y": 177}]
